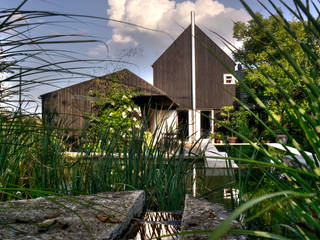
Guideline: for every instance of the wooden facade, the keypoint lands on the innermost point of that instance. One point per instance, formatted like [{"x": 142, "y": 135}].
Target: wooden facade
[
  {"x": 172, "y": 72},
  {"x": 72, "y": 105},
  {"x": 172, "y": 89}
]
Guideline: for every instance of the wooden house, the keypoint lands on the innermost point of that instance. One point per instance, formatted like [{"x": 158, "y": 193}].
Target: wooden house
[
  {"x": 190, "y": 72},
  {"x": 71, "y": 106},
  {"x": 190, "y": 86}
]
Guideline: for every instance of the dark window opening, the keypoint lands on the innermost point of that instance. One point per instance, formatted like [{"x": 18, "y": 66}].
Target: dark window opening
[
  {"x": 183, "y": 124},
  {"x": 205, "y": 124}
]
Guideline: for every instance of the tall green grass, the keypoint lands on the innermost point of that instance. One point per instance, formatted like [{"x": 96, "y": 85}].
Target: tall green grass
[
  {"x": 33, "y": 157},
  {"x": 285, "y": 201},
  {"x": 144, "y": 162}
]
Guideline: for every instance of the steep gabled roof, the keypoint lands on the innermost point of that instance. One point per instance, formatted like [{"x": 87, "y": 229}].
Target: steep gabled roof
[
  {"x": 124, "y": 77},
  {"x": 172, "y": 72},
  {"x": 146, "y": 92},
  {"x": 181, "y": 37}
]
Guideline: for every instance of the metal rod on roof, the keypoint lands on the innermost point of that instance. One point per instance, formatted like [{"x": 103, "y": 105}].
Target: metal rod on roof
[
  {"x": 193, "y": 75},
  {"x": 193, "y": 61}
]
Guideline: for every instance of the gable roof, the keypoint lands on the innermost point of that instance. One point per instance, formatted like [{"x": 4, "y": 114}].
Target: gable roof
[
  {"x": 172, "y": 72},
  {"x": 172, "y": 45},
  {"x": 125, "y": 77},
  {"x": 72, "y": 105},
  {"x": 182, "y": 35}
]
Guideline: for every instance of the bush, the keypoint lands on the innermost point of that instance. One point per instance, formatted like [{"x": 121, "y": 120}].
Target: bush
[{"x": 116, "y": 114}]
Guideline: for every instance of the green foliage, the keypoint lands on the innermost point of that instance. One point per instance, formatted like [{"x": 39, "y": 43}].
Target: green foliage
[
  {"x": 267, "y": 65},
  {"x": 240, "y": 120},
  {"x": 217, "y": 135},
  {"x": 226, "y": 114},
  {"x": 32, "y": 158},
  {"x": 235, "y": 120},
  {"x": 143, "y": 163},
  {"x": 116, "y": 113},
  {"x": 30, "y": 155}
]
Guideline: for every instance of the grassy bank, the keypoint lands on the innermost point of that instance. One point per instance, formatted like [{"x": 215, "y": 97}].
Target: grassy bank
[{"x": 32, "y": 156}]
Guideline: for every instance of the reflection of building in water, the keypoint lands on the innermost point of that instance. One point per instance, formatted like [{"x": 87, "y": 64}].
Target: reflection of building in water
[
  {"x": 227, "y": 194},
  {"x": 211, "y": 184},
  {"x": 156, "y": 224}
]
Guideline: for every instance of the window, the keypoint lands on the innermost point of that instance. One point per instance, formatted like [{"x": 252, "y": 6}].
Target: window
[{"x": 229, "y": 79}]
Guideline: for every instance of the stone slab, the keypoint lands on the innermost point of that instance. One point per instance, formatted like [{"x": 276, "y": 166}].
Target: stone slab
[
  {"x": 203, "y": 215},
  {"x": 99, "y": 216}
]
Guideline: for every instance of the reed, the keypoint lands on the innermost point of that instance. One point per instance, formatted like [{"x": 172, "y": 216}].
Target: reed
[{"x": 32, "y": 157}]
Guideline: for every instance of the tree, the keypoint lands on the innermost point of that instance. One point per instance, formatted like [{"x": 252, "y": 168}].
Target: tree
[{"x": 263, "y": 55}]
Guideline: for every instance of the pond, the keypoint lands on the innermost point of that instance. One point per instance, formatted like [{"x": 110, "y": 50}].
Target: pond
[
  {"x": 221, "y": 184},
  {"x": 213, "y": 184},
  {"x": 155, "y": 224}
]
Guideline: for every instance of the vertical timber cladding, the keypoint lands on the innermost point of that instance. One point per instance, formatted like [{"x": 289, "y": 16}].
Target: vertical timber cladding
[
  {"x": 210, "y": 90},
  {"x": 69, "y": 105},
  {"x": 73, "y": 104},
  {"x": 172, "y": 71}
]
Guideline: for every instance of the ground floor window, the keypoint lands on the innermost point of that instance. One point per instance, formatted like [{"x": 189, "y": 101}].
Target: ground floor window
[
  {"x": 183, "y": 124},
  {"x": 205, "y": 124}
]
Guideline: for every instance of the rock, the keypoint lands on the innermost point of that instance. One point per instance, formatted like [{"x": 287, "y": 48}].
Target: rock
[
  {"x": 204, "y": 215},
  {"x": 99, "y": 216}
]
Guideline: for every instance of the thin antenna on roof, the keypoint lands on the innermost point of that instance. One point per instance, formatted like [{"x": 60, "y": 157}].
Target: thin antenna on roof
[
  {"x": 193, "y": 76},
  {"x": 193, "y": 62}
]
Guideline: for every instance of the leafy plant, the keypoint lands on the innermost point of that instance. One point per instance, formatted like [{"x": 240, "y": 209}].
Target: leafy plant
[
  {"x": 259, "y": 49},
  {"x": 235, "y": 120},
  {"x": 240, "y": 121},
  {"x": 226, "y": 114},
  {"x": 217, "y": 135},
  {"x": 115, "y": 111}
]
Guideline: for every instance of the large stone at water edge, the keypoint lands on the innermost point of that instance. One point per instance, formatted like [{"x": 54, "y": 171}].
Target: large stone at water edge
[
  {"x": 204, "y": 215},
  {"x": 99, "y": 216}
]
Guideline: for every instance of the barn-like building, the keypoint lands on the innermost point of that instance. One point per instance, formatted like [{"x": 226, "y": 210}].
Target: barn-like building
[
  {"x": 190, "y": 85},
  {"x": 71, "y": 106},
  {"x": 214, "y": 86}
]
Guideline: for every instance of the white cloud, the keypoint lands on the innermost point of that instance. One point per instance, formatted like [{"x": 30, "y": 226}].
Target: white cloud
[
  {"x": 169, "y": 16},
  {"x": 116, "y": 37},
  {"x": 98, "y": 50}
]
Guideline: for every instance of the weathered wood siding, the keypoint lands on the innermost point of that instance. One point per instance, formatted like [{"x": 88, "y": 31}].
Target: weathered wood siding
[
  {"x": 74, "y": 104},
  {"x": 211, "y": 93},
  {"x": 69, "y": 105},
  {"x": 172, "y": 71}
]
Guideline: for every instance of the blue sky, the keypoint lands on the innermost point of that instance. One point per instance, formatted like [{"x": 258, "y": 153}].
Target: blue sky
[{"x": 138, "y": 47}]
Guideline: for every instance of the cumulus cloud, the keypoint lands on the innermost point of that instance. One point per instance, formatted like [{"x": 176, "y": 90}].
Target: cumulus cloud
[
  {"x": 97, "y": 50},
  {"x": 168, "y": 16}
]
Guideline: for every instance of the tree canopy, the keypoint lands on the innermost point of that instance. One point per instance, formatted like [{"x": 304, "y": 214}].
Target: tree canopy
[{"x": 262, "y": 53}]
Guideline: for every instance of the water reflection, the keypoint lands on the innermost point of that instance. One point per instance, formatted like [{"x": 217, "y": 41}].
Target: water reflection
[
  {"x": 156, "y": 224},
  {"x": 214, "y": 184}
]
